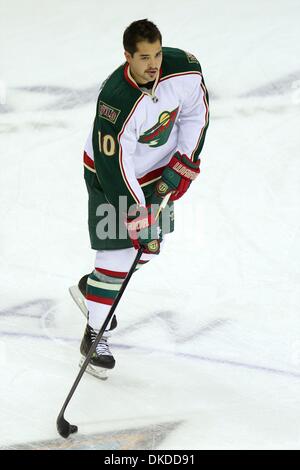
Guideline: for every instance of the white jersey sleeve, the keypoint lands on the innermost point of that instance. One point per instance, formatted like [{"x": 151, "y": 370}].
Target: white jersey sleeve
[{"x": 193, "y": 118}]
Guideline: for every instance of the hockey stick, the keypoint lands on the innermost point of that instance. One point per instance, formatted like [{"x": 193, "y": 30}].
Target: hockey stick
[{"x": 63, "y": 426}]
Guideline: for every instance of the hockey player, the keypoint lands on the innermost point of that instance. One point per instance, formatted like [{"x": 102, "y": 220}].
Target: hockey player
[{"x": 149, "y": 129}]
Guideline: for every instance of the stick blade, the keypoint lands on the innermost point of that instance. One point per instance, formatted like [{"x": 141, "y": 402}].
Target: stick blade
[{"x": 64, "y": 428}]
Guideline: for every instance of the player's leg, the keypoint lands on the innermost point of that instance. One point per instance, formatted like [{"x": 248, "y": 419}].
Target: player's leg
[{"x": 100, "y": 289}]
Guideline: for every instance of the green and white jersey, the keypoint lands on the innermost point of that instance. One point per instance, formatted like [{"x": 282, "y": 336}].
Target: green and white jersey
[{"x": 136, "y": 132}]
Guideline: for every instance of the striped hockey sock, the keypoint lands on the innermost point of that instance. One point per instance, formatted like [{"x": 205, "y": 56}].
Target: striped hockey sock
[
  {"x": 101, "y": 291},
  {"x": 102, "y": 288}
]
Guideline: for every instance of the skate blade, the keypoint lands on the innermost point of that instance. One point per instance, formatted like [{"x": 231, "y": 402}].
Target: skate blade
[
  {"x": 78, "y": 299},
  {"x": 98, "y": 372}
]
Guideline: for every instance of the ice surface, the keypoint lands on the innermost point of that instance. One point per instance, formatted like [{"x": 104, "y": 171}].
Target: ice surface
[{"x": 208, "y": 345}]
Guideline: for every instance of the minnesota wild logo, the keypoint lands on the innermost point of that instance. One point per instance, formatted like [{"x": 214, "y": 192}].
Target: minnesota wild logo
[{"x": 158, "y": 134}]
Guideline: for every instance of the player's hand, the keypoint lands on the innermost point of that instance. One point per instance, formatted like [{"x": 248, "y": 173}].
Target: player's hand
[
  {"x": 143, "y": 230},
  {"x": 177, "y": 176}
]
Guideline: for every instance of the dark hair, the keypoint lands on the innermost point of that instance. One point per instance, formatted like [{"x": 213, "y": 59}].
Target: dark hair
[{"x": 141, "y": 30}]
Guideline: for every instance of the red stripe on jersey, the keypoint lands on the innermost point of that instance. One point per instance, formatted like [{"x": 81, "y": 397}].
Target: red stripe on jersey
[
  {"x": 126, "y": 75},
  {"x": 88, "y": 161},
  {"x": 107, "y": 272},
  {"x": 152, "y": 175},
  {"x": 179, "y": 75},
  {"x": 99, "y": 300}
]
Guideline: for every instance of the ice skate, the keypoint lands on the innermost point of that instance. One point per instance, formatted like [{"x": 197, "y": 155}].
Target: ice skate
[{"x": 102, "y": 359}]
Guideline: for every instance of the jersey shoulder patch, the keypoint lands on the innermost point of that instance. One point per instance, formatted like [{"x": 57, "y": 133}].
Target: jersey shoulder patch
[
  {"x": 178, "y": 61},
  {"x": 116, "y": 99},
  {"x": 191, "y": 58}
]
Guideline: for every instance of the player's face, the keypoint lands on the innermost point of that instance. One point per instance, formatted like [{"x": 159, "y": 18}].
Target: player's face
[{"x": 145, "y": 62}]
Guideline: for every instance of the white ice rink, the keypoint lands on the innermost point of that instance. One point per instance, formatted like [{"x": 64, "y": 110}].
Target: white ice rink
[{"x": 208, "y": 344}]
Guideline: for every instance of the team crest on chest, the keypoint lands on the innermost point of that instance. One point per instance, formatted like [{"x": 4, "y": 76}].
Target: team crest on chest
[{"x": 158, "y": 134}]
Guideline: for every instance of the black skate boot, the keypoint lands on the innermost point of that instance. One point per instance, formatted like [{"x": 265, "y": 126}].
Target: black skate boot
[{"x": 102, "y": 359}]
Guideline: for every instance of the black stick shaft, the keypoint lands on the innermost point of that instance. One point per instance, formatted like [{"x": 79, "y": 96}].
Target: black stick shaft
[
  {"x": 64, "y": 428},
  {"x": 100, "y": 334}
]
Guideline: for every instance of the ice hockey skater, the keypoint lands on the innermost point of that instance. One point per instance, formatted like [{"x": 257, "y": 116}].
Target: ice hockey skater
[{"x": 149, "y": 129}]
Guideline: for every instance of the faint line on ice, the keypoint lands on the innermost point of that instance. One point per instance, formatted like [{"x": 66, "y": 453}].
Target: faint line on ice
[
  {"x": 19, "y": 310},
  {"x": 275, "y": 87},
  {"x": 197, "y": 357}
]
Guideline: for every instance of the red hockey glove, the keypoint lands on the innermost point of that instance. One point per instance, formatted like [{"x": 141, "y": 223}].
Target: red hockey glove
[
  {"x": 144, "y": 231},
  {"x": 177, "y": 176}
]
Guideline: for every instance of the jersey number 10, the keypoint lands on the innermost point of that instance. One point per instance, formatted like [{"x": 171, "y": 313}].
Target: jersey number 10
[{"x": 107, "y": 144}]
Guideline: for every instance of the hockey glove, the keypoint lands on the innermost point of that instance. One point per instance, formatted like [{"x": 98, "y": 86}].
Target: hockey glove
[
  {"x": 144, "y": 230},
  {"x": 177, "y": 176}
]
